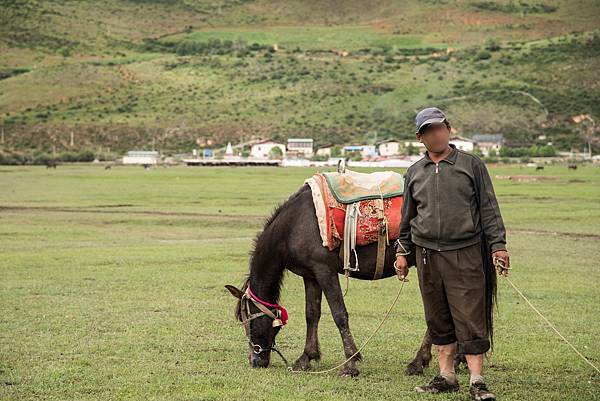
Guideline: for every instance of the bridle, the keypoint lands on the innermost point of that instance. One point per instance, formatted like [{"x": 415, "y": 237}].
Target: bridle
[{"x": 275, "y": 311}]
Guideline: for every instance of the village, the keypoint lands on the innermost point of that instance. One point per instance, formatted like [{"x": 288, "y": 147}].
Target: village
[{"x": 302, "y": 152}]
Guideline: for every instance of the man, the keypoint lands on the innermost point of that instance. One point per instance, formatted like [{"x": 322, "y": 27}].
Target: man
[{"x": 451, "y": 219}]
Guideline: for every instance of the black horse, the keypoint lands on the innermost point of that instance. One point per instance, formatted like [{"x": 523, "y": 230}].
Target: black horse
[{"x": 291, "y": 240}]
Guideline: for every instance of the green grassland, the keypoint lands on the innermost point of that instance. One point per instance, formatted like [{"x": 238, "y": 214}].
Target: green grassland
[
  {"x": 131, "y": 73},
  {"x": 112, "y": 288}
]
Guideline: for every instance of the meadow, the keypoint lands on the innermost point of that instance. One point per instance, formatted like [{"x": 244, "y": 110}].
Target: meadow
[{"x": 112, "y": 289}]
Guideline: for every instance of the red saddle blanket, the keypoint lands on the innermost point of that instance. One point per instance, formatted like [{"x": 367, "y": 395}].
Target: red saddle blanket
[{"x": 368, "y": 222}]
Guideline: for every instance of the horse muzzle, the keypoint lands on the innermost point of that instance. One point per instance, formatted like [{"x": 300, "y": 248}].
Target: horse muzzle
[{"x": 259, "y": 360}]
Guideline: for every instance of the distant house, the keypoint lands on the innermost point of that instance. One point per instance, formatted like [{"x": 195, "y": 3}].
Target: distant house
[
  {"x": 486, "y": 143},
  {"x": 462, "y": 143},
  {"x": 418, "y": 146},
  {"x": 324, "y": 151},
  {"x": 390, "y": 147},
  {"x": 300, "y": 146},
  {"x": 264, "y": 149},
  {"x": 365, "y": 150},
  {"x": 141, "y": 157}
]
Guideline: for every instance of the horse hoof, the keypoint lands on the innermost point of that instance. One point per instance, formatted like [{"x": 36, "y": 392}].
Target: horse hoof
[
  {"x": 413, "y": 370},
  {"x": 349, "y": 372}
]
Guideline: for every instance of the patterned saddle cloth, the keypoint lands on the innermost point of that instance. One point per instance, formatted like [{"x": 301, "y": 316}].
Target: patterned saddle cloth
[
  {"x": 352, "y": 186},
  {"x": 331, "y": 212}
]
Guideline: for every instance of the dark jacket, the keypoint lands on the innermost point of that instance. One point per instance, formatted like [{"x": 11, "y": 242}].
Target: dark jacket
[{"x": 441, "y": 210}]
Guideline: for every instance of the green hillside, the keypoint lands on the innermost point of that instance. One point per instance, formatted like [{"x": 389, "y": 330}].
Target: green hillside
[{"x": 126, "y": 74}]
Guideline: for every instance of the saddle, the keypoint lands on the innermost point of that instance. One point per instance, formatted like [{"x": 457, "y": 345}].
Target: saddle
[
  {"x": 351, "y": 186},
  {"x": 355, "y": 209}
]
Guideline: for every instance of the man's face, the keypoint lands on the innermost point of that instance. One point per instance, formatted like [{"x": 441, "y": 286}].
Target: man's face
[{"x": 435, "y": 137}]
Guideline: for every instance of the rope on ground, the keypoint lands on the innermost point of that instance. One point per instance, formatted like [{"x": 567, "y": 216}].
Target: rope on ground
[
  {"x": 552, "y": 326},
  {"x": 385, "y": 317}
]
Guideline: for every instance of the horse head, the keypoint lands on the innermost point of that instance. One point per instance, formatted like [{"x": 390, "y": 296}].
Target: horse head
[{"x": 261, "y": 321}]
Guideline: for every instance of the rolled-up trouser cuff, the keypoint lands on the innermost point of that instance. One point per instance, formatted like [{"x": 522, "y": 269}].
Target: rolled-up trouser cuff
[
  {"x": 478, "y": 346},
  {"x": 443, "y": 340}
]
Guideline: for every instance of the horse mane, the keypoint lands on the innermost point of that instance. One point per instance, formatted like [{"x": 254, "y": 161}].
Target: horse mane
[
  {"x": 255, "y": 244},
  {"x": 274, "y": 213}
]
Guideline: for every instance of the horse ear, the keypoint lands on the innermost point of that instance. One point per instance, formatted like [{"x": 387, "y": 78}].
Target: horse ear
[{"x": 234, "y": 291}]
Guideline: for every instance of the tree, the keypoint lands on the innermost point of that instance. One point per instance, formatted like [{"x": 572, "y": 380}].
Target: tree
[
  {"x": 336, "y": 151},
  {"x": 587, "y": 130},
  {"x": 547, "y": 151},
  {"x": 275, "y": 153}
]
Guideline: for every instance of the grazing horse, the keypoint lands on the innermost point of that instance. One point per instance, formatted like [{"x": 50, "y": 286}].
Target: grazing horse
[
  {"x": 291, "y": 240},
  {"x": 51, "y": 164}
]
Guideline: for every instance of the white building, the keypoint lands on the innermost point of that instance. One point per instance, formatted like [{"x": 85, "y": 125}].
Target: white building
[
  {"x": 462, "y": 143},
  {"x": 365, "y": 150},
  {"x": 419, "y": 146},
  {"x": 300, "y": 146},
  {"x": 141, "y": 157},
  {"x": 324, "y": 151},
  {"x": 486, "y": 143},
  {"x": 263, "y": 149},
  {"x": 229, "y": 149},
  {"x": 389, "y": 148}
]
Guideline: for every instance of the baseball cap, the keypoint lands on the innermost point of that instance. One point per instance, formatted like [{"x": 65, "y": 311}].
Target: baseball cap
[{"x": 427, "y": 116}]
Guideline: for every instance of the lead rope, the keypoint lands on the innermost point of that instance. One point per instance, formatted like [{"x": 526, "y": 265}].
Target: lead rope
[
  {"x": 385, "y": 317},
  {"x": 551, "y": 325}
]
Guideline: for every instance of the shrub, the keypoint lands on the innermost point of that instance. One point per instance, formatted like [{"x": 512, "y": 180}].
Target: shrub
[
  {"x": 492, "y": 45},
  {"x": 483, "y": 55}
]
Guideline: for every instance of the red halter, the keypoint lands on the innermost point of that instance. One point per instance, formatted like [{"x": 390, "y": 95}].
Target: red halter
[{"x": 284, "y": 314}]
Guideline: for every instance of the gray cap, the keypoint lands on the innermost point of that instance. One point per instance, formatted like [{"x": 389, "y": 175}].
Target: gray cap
[{"x": 429, "y": 115}]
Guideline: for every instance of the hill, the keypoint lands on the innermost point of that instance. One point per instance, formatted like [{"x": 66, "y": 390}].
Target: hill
[{"x": 175, "y": 73}]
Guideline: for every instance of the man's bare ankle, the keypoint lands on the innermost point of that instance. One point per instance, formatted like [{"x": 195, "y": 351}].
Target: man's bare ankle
[
  {"x": 476, "y": 378},
  {"x": 450, "y": 377}
]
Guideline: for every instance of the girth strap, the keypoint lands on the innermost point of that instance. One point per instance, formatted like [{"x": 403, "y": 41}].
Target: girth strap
[{"x": 382, "y": 240}]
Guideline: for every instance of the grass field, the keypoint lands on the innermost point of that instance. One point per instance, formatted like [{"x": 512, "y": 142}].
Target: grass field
[{"x": 112, "y": 288}]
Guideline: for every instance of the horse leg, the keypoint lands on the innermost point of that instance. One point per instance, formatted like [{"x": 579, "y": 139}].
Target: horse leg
[
  {"x": 313, "y": 295},
  {"x": 421, "y": 361},
  {"x": 330, "y": 285}
]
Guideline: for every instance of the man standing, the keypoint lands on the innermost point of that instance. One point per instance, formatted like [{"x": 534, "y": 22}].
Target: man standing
[{"x": 451, "y": 220}]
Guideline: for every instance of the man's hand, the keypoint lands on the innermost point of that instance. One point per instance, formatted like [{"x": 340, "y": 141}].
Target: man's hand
[
  {"x": 503, "y": 265},
  {"x": 401, "y": 267}
]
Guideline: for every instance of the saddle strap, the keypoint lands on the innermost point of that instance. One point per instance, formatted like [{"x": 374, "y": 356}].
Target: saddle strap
[
  {"x": 349, "y": 242},
  {"x": 382, "y": 240}
]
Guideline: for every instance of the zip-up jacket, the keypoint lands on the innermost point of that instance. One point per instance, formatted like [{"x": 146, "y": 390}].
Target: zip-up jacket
[{"x": 440, "y": 209}]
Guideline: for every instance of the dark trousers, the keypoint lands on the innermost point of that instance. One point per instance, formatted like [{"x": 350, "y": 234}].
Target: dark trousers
[{"x": 452, "y": 285}]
